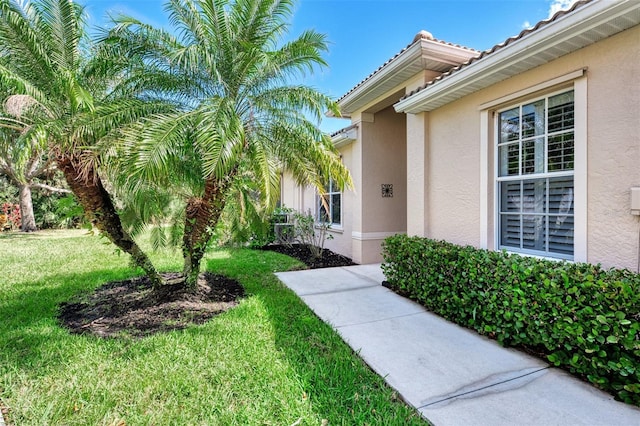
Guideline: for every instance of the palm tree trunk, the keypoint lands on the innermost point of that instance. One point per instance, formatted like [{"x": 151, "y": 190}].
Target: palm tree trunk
[
  {"x": 87, "y": 187},
  {"x": 202, "y": 215},
  {"x": 27, "y": 218}
]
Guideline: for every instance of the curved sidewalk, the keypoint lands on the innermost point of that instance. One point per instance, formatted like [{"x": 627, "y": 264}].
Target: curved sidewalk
[{"x": 452, "y": 375}]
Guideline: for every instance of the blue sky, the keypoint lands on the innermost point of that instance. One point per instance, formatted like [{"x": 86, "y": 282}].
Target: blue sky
[{"x": 363, "y": 34}]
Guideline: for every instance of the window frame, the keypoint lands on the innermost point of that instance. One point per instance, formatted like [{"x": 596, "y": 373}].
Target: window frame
[
  {"x": 545, "y": 175},
  {"x": 328, "y": 195},
  {"x": 578, "y": 79}
]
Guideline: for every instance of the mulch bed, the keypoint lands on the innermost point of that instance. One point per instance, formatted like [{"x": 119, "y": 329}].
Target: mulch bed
[
  {"x": 329, "y": 259},
  {"x": 131, "y": 308}
]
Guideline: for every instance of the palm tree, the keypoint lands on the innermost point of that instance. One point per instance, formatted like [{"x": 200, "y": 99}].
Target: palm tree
[
  {"x": 45, "y": 53},
  {"x": 246, "y": 114}
]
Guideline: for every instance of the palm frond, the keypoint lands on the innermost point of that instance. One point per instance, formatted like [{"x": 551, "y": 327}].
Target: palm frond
[
  {"x": 115, "y": 116},
  {"x": 23, "y": 43},
  {"x": 185, "y": 16},
  {"x": 62, "y": 21},
  {"x": 154, "y": 147}
]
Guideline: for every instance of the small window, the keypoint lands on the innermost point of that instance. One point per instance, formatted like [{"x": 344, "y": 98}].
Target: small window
[
  {"x": 329, "y": 206},
  {"x": 536, "y": 177}
]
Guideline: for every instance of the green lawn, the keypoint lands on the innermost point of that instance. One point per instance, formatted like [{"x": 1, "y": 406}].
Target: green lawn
[{"x": 269, "y": 361}]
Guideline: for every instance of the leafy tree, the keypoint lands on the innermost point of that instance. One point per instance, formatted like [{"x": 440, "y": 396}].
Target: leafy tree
[
  {"x": 23, "y": 160},
  {"x": 246, "y": 114},
  {"x": 81, "y": 99}
]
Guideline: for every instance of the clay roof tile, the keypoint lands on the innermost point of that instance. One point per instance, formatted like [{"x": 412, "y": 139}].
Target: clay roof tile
[
  {"x": 499, "y": 46},
  {"x": 422, "y": 35}
]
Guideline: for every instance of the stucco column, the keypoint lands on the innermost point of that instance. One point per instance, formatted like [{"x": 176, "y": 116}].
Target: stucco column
[
  {"x": 380, "y": 163},
  {"x": 417, "y": 163}
]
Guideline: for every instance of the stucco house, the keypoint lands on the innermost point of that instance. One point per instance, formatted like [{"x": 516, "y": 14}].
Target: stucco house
[{"x": 532, "y": 146}]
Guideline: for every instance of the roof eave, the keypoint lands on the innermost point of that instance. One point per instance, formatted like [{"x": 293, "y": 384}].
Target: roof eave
[
  {"x": 330, "y": 114},
  {"x": 421, "y": 55},
  {"x": 501, "y": 64},
  {"x": 411, "y": 54},
  {"x": 344, "y": 136}
]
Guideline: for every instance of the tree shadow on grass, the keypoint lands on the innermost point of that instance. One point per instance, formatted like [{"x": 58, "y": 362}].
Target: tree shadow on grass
[
  {"x": 45, "y": 234},
  {"x": 38, "y": 357},
  {"x": 339, "y": 385},
  {"x": 114, "y": 307},
  {"x": 29, "y": 329}
]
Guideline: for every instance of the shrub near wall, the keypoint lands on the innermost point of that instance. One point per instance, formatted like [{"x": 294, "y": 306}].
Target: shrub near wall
[{"x": 583, "y": 318}]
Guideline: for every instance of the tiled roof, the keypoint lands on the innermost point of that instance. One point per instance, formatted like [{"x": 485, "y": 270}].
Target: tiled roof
[
  {"x": 500, "y": 46},
  {"x": 344, "y": 129},
  {"x": 421, "y": 35}
]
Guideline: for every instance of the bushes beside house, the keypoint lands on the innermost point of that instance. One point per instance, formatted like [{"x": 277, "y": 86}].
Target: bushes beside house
[{"x": 581, "y": 317}]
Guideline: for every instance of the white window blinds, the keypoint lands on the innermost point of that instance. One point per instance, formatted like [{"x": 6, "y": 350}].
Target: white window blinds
[{"x": 535, "y": 176}]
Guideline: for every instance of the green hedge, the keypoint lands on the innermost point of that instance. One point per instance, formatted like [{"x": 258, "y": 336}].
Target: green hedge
[{"x": 583, "y": 318}]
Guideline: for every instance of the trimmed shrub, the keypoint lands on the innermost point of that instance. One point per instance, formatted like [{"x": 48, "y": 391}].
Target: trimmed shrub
[{"x": 581, "y": 317}]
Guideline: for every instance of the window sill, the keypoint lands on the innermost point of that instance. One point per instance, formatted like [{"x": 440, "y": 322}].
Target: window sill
[
  {"x": 537, "y": 256},
  {"x": 334, "y": 229}
]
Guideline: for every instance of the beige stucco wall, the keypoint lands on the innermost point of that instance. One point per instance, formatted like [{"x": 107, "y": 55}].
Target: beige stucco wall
[
  {"x": 378, "y": 156},
  {"x": 341, "y": 241},
  {"x": 417, "y": 182},
  {"x": 384, "y": 162},
  {"x": 613, "y": 149},
  {"x": 383, "y": 154},
  {"x": 452, "y": 172},
  {"x": 290, "y": 193},
  {"x": 303, "y": 199}
]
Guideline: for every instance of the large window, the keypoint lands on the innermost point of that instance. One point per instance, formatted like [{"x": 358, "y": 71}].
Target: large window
[
  {"x": 536, "y": 177},
  {"x": 329, "y": 206}
]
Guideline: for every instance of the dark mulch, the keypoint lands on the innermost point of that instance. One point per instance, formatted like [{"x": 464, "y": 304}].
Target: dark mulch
[
  {"x": 133, "y": 308},
  {"x": 329, "y": 259}
]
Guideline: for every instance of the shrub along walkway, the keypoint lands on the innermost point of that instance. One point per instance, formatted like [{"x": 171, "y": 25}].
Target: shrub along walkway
[{"x": 450, "y": 374}]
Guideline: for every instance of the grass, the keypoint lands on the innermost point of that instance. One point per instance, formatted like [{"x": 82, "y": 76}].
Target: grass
[{"x": 269, "y": 361}]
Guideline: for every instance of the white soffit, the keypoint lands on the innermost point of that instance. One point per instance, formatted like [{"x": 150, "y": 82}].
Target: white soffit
[
  {"x": 422, "y": 55},
  {"x": 345, "y": 136},
  {"x": 588, "y": 24}
]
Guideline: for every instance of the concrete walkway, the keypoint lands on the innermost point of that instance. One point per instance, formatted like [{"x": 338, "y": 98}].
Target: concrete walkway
[{"x": 451, "y": 375}]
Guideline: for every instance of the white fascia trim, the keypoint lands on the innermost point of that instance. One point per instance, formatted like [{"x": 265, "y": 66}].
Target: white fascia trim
[
  {"x": 368, "y": 236},
  {"x": 417, "y": 53},
  {"x": 330, "y": 114},
  {"x": 567, "y": 27},
  {"x": 447, "y": 53},
  {"x": 403, "y": 60},
  {"x": 345, "y": 137}
]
